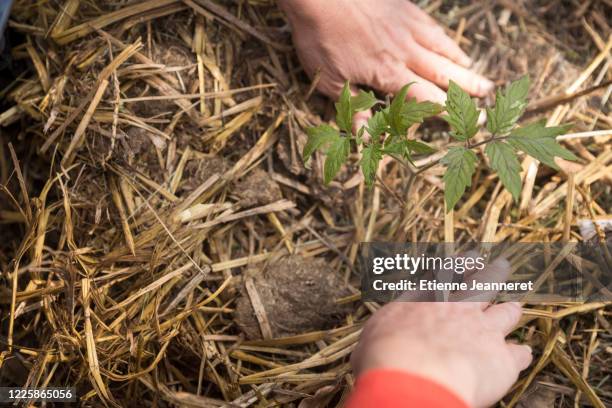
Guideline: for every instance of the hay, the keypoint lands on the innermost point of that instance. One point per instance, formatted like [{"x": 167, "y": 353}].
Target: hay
[{"x": 128, "y": 137}]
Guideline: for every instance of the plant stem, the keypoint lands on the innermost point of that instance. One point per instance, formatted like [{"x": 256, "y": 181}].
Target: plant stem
[
  {"x": 433, "y": 163},
  {"x": 400, "y": 161},
  {"x": 492, "y": 139}
]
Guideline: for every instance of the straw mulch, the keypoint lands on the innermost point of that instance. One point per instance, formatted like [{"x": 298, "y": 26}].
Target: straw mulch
[{"x": 158, "y": 224}]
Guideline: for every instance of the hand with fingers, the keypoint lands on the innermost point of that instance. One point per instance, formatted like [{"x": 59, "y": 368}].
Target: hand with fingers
[
  {"x": 382, "y": 44},
  {"x": 459, "y": 345}
]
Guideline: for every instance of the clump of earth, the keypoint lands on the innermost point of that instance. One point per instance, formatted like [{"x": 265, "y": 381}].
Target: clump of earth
[
  {"x": 257, "y": 188},
  {"x": 298, "y": 295}
]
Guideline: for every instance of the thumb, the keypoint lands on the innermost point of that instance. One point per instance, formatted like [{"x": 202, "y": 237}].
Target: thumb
[
  {"x": 360, "y": 119},
  {"x": 332, "y": 89},
  {"x": 522, "y": 355}
]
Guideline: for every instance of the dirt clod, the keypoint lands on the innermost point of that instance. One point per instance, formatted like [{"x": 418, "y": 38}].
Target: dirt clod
[
  {"x": 197, "y": 171},
  {"x": 298, "y": 295},
  {"x": 257, "y": 188}
]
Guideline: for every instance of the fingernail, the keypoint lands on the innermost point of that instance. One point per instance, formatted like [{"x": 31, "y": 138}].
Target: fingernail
[
  {"x": 466, "y": 61},
  {"x": 482, "y": 117},
  {"x": 486, "y": 86}
]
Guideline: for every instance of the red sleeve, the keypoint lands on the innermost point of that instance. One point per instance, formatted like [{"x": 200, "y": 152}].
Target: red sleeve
[{"x": 393, "y": 388}]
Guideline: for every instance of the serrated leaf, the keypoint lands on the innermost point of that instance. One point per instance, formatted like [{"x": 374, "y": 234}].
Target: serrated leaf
[
  {"x": 461, "y": 164},
  {"x": 505, "y": 162},
  {"x": 509, "y": 107},
  {"x": 406, "y": 147},
  {"x": 344, "y": 112},
  {"x": 397, "y": 126},
  {"x": 359, "y": 138},
  {"x": 462, "y": 113},
  {"x": 540, "y": 142},
  {"x": 414, "y": 112},
  {"x": 363, "y": 101},
  {"x": 419, "y": 147},
  {"x": 336, "y": 156},
  {"x": 398, "y": 148},
  {"x": 318, "y": 137},
  {"x": 370, "y": 158},
  {"x": 518, "y": 90},
  {"x": 377, "y": 124}
]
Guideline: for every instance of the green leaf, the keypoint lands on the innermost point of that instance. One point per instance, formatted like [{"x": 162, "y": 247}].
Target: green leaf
[
  {"x": 419, "y": 147},
  {"x": 462, "y": 113},
  {"x": 363, "y": 101},
  {"x": 394, "y": 114},
  {"x": 398, "y": 148},
  {"x": 318, "y": 137},
  {"x": 505, "y": 163},
  {"x": 370, "y": 158},
  {"x": 359, "y": 138},
  {"x": 336, "y": 156},
  {"x": 414, "y": 112},
  {"x": 344, "y": 112},
  {"x": 406, "y": 147},
  {"x": 377, "y": 124},
  {"x": 540, "y": 142},
  {"x": 509, "y": 106},
  {"x": 461, "y": 164}
]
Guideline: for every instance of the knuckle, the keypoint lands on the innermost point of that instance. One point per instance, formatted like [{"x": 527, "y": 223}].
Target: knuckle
[
  {"x": 511, "y": 314},
  {"x": 438, "y": 31},
  {"x": 440, "y": 77}
]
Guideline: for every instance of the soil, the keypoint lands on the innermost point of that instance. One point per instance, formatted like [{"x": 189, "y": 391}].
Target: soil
[
  {"x": 546, "y": 39},
  {"x": 545, "y": 64},
  {"x": 199, "y": 170},
  {"x": 257, "y": 188},
  {"x": 298, "y": 294}
]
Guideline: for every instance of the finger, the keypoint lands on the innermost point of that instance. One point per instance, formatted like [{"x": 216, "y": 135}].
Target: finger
[
  {"x": 330, "y": 87},
  {"x": 417, "y": 295},
  {"x": 522, "y": 355},
  {"x": 461, "y": 296},
  {"x": 390, "y": 78},
  {"x": 496, "y": 272},
  {"x": 435, "y": 39},
  {"x": 360, "y": 119},
  {"x": 504, "y": 316},
  {"x": 440, "y": 70},
  {"x": 419, "y": 14},
  {"x": 469, "y": 272}
]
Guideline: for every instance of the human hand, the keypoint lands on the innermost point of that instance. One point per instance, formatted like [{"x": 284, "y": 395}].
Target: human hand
[
  {"x": 459, "y": 345},
  {"x": 382, "y": 44}
]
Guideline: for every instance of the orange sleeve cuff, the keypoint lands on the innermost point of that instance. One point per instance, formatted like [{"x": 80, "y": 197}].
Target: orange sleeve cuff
[{"x": 394, "y": 388}]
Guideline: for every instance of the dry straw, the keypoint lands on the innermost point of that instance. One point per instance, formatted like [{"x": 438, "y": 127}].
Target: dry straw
[{"x": 125, "y": 241}]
